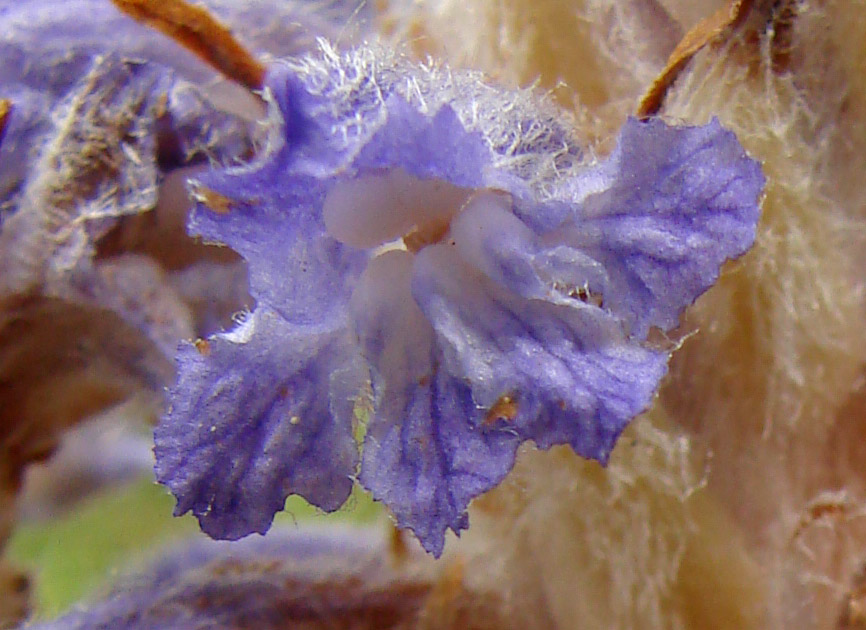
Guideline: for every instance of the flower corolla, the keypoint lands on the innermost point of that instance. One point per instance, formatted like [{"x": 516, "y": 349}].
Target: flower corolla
[{"x": 439, "y": 266}]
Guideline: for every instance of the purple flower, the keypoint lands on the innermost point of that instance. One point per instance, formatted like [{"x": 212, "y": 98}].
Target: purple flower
[{"x": 443, "y": 254}]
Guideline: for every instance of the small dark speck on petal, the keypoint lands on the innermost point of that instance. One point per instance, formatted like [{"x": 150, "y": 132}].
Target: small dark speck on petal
[{"x": 5, "y": 108}]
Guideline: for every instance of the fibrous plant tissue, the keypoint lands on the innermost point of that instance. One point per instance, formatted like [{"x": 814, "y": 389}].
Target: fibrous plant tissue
[{"x": 577, "y": 281}]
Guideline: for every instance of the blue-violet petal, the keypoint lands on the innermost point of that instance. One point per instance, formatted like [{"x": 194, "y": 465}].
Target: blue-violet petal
[
  {"x": 257, "y": 414},
  {"x": 498, "y": 285},
  {"x": 425, "y": 456}
]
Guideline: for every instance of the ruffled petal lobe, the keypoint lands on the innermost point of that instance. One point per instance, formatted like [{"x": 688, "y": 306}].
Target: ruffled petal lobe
[
  {"x": 677, "y": 202},
  {"x": 426, "y": 452},
  {"x": 257, "y": 414}
]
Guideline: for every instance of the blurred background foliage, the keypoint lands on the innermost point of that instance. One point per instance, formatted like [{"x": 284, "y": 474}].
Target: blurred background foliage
[{"x": 118, "y": 529}]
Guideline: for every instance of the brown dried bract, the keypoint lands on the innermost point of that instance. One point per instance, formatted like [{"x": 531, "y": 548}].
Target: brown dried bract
[
  {"x": 780, "y": 29},
  {"x": 830, "y": 505},
  {"x": 853, "y": 615},
  {"x": 198, "y": 31},
  {"x": 61, "y": 362},
  {"x": 704, "y": 32},
  {"x": 14, "y": 596}
]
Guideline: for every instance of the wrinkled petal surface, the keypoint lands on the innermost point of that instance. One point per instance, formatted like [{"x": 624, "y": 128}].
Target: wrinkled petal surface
[
  {"x": 426, "y": 455},
  {"x": 498, "y": 285},
  {"x": 258, "y": 414},
  {"x": 558, "y": 374},
  {"x": 295, "y": 266},
  {"x": 679, "y": 202}
]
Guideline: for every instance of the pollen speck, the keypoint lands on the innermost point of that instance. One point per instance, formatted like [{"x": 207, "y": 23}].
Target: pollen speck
[
  {"x": 217, "y": 202},
  {"x": 162, "y": 105},
  {"x": 203, "y": 347},
  {"x": 503, "y": 409},
  {"x": 5, "y": 108}
]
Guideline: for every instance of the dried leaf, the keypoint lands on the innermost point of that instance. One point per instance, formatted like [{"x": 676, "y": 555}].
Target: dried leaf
[
  {"x": 705, "y": 32},
  {"x": 197, "y": 30}
]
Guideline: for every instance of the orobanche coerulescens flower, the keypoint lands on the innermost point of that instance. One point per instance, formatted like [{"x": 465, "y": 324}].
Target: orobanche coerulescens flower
[{"x": 441, "y": 272}]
